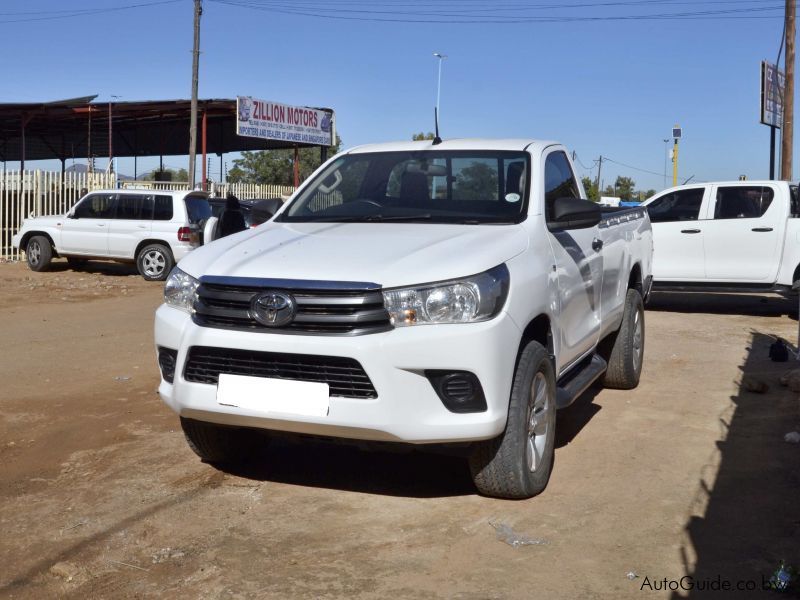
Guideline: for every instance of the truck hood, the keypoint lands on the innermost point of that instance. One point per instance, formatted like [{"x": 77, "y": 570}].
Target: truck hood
[
  {"x": 389, "y": 254},
  {"x": 45, "y": 221}
]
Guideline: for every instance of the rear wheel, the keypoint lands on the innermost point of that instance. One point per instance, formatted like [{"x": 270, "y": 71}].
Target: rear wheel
[
  {"x": 220, "y": 444},
  {"x": 624, "y": 350},
  {"x": 38, "y": 253},
  {"x": 519, "y": 462},
  {"x": 155, "y": 262}
]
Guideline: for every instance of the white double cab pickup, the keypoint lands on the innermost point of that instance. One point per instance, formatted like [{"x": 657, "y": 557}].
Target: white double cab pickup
[
  {"x": 452, "y": 293},
  {"x": 154, "y": 229},
  {"x": 728, "y": 235}
]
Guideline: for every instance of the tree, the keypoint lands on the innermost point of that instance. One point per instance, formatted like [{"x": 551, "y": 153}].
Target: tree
[
  {"x": 276, "y": 167},
  {"x": 166, "y": 175},
  {"x": 476, "y": 182},
  {"x": 624, "y": 187},
  {"x": 422, "y": 136},
  {"x": 590, "y": 187}
]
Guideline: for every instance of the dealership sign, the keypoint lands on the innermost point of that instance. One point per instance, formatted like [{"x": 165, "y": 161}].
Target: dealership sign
[
  {"x": 273, "y": 121},
  {"x": 772, "y": 85}
]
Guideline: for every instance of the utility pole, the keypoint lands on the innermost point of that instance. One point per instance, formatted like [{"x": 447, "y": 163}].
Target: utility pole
[
  {"x": 198, "y": 10},
  {"x": 787, "y": 130},
  {"x": 676, "y": 135},
  {"x": 675, "y": 163},
  {"x": 597, "y": 181}
]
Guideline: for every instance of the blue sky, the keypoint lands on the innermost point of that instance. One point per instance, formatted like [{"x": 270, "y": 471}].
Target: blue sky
[{"x": 602, "y": 87}]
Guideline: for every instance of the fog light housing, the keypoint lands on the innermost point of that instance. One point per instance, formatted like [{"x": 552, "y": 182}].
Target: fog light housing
[
  {"x": 167, "y": 357},
  {"x": 459, "y": 391}
]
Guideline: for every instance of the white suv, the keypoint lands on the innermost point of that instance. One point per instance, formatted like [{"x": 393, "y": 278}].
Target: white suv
[{"x": 153, "y": 228}]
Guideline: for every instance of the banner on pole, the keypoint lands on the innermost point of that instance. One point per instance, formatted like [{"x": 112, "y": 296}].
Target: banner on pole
[
  {"x": 772, "y": 85},
  {"x": 273, "y": 121}
]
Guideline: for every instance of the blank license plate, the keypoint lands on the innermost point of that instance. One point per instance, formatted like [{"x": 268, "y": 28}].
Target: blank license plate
[{"x": 283, "y": 396}]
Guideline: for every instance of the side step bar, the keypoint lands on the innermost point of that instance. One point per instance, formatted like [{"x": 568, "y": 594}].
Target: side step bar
[{"x": 574, "y": 383}]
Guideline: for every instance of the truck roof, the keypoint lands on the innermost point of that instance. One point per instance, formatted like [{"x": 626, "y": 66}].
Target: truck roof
[{"x": 514, "y": 144}]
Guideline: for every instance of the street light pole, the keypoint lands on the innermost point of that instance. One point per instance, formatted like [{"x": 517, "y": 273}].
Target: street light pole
[
  {"x": 441, "y": 57},
  {"x": 666, "y": 149}
]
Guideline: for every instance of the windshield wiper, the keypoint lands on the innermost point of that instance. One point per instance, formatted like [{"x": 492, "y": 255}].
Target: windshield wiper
[{"x": 372, "y": 218}]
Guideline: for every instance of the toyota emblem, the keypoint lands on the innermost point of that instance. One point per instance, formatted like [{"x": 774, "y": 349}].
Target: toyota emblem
[{"x": 273, "y": 309}]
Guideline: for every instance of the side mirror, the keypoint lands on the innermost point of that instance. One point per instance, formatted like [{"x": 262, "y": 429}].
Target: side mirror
[{"x": 573, "y": 213}]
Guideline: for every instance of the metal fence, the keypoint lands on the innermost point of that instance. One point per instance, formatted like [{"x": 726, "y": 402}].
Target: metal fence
[
  {"x": 240, "y": 190},
  {"x": 27, "y": 193}
]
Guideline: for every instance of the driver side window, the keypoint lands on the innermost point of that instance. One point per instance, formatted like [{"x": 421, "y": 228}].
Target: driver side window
[
  {"x": 559, "y": 180},
  {"x": 95, "y": 206}
]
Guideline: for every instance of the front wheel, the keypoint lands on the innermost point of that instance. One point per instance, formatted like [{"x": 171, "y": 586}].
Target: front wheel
[
  {"x": 518, "y": 463},
  {"x": 38, "y": 253},
  {"x": 624, "y": 350},
  {"x": 154, "y": 262}
]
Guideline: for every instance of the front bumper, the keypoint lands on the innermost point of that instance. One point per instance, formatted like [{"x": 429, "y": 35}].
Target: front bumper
[{"x": 407, "y": 408}]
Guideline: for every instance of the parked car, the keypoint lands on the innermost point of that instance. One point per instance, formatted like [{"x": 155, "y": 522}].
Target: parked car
[
  {"x": 413, "y": 292},
  {"x": 255, "y": 211},
  {"x": 726, "y": 235},
  {"x": 152, "y": 229}
]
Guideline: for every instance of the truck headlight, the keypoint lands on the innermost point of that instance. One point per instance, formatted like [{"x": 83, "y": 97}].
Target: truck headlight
[
  {"x": 468, "y": 300},
  {"x": 180, "y": 290}
]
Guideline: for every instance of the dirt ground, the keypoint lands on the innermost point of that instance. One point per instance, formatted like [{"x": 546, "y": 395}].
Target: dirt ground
[{"x": 100, "y": 497}]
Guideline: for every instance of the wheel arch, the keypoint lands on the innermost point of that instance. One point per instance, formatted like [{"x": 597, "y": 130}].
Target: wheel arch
[
  {"x": 796, "y": 274},
  {"x": 540, "y": 330},
  {"x": 635, "y": 279},
  {"x": 148, "y": 242},
  {"x": 23, "y": 243}
]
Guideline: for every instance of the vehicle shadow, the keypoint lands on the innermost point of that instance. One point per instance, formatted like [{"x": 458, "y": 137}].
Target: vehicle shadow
[
  {"x": 387, "y": 469},
  {"x": 401, "y": 471},
  {"x": 745, "y": 516},
  {"x": 576, "y": 416},
  {"x": 767, "y": 305},
  {"x": 113, "y": 269}
]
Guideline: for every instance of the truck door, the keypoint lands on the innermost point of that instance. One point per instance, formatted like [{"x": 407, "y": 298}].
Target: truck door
[
  {"x": 678, "y": 233},
  {"x": 86, "y": 232},
  {"x": 132, "y": 223},
  {"x": 743, "y": 240},
  {"x": 579, "y": 265}
]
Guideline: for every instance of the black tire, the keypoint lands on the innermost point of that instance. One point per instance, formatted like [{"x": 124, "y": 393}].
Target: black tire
[
  {"x": 38, "y": 253},
  {"x": 220, "y": 444},
  {"x": 624, "y": 350},
  {"x": 154, "y": 262},
  {"x": 76, "y": 263},
  {"x": 503, "y": 467}
]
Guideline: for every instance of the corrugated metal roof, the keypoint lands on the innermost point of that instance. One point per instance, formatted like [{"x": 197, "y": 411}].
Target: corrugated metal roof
[{"x": 60, "y": 129}]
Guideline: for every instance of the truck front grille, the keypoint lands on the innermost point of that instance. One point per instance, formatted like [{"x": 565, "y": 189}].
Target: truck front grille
[
  {"x": 345, "y": 376},
  {"x": 323, "y": 308}
]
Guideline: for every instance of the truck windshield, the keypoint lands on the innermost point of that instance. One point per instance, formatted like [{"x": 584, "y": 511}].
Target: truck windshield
[{"x": 472, "y": 187}]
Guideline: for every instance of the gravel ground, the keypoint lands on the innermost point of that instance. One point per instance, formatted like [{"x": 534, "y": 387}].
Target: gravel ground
[{"x": 688, "y": 475}]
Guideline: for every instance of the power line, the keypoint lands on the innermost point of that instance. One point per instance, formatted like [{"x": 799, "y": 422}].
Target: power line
[
  {"x": 621, "y": 164},
  {"x": 52, "y": 15},
  {"x": 428, "y": 14}
]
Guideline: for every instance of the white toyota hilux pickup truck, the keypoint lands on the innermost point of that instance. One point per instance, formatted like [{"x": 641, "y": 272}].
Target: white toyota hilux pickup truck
[
  {"x": 726, "y": 236},
  {"x": 451, "y": 293}
]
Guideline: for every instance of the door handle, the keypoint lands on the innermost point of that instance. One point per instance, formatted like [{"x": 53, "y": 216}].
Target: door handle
[
  {"x": 597, "y": 244},
  {"x": 761, "y": 229},
  {"x": 690, "y": 230},
  {"x": 101, "y": 224}
]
